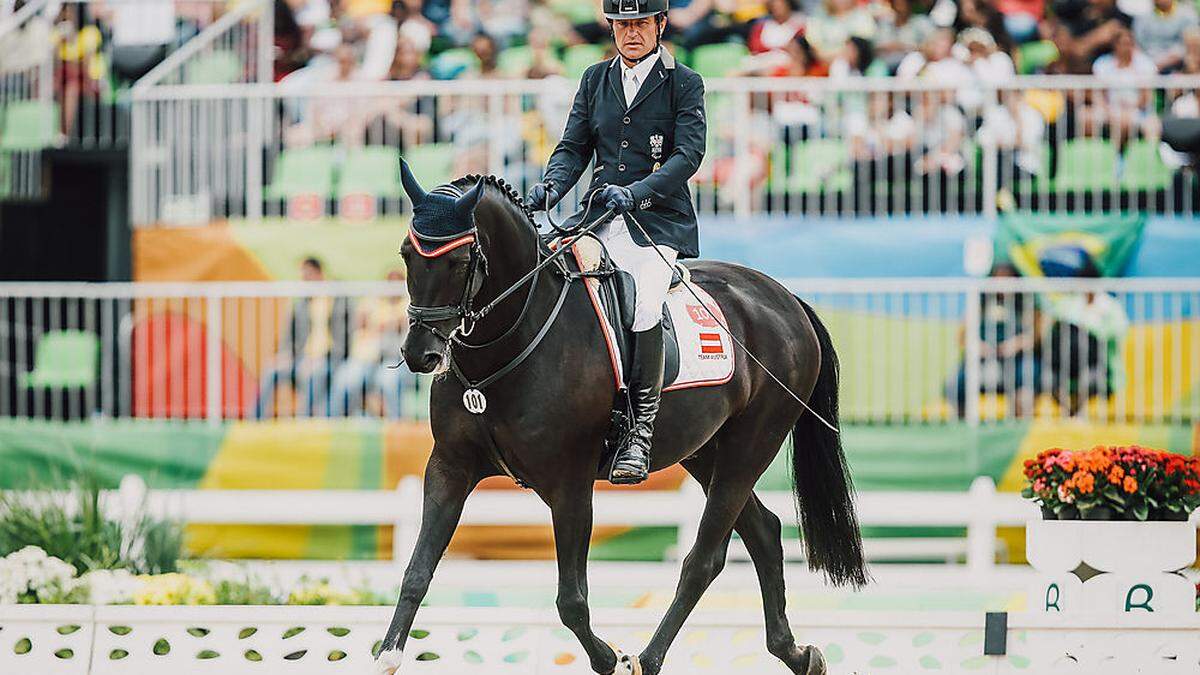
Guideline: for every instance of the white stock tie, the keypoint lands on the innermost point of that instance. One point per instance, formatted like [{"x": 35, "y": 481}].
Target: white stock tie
[{"x": 631, "y": 87}]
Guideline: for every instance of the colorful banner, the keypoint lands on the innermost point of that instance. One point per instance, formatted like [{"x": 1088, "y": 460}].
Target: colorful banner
[{"x": 1035, "y": 241}]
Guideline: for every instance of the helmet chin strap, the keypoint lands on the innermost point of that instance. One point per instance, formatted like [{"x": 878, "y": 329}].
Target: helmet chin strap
[{"x": 657, "y": 42}]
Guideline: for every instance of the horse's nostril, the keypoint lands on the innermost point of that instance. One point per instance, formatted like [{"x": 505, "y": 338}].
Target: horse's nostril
[{"x": 432, "y": 360}]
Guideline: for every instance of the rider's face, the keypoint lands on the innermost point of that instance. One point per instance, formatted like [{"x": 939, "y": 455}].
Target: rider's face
[{"x": 635, "y": 37}]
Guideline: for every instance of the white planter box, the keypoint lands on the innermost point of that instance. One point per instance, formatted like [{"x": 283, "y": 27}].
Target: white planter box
[{"x": 1111, "y": 566}]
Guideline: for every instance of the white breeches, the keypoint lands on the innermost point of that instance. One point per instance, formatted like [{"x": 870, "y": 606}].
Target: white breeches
[{"x": 651, "y": 277}]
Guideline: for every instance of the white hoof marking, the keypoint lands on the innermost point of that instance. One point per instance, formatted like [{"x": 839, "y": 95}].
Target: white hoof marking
[{"x": 388, "y": 662}]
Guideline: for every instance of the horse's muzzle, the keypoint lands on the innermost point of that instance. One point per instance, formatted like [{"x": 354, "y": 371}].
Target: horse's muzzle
[{"x": 424, "y": 353}]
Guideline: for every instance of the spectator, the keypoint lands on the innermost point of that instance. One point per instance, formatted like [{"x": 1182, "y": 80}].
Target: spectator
[
  {"x": 1085, "y": 29},
  {"x": 141, "y": 33},
  {"x": 702, "y": 22},
  {"x": 936, "y": 62},
  {"x": 841, "y": 20},
  {"x": 795, "y": 108},
  {"x": 1010, "y": 349},
  {"x": 504, "y": 20},
  {"x": 1126, "y": 107},
  {"x": 487, "y": 51},
  {"x": 984, "y": 16},
  {"x": 1021, "y": 18},
  {"x": 315, "y": 334},
  {"x": 773, "y": 32},
  {"x": 544, "y": 63},
  {"x": 1161, "y": 33},
  {"x": 853, "y": 60},
  {"x": 899, "y": 31},
  {"x": 369, "y": 26},
  {"x": 380, "y": 326},
  {"x": 1086, "y": 344},
  {"x": 330, "y": 116},
  {"x": 406, "y": 65},
  {"x": 989, "y": 66},
  {"x": 291, "y": 46}
]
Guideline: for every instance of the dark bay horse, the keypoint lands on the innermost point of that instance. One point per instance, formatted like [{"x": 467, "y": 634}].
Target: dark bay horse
[{"x": 548, "y": 418}]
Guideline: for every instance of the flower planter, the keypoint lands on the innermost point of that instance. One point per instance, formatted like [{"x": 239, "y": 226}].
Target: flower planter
[{"x": 1111, "y": 566}]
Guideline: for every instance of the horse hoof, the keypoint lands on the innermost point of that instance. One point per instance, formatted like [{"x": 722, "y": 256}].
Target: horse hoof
[
  {"x": 388, "y": 662},
  {"x": 816, "y": 661},
  {"x": 627, "y": 664}
]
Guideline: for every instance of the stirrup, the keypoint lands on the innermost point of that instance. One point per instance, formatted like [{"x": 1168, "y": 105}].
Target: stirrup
[{"x": 630, "y": 479}]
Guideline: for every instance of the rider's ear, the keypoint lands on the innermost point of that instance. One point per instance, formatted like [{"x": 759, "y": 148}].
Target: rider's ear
[
  {"x": 411, "y": 186},
  {"x": 465, "y": 206}
]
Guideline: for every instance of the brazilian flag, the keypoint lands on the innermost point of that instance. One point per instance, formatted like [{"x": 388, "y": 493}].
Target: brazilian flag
[{"x": 1050, "y": 244}]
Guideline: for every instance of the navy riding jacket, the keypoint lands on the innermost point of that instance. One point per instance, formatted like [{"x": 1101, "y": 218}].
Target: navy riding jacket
[{"x": 652, "y": 146}]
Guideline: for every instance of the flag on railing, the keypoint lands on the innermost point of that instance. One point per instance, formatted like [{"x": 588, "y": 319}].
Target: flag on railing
[{"x": 1052, "y": 244}]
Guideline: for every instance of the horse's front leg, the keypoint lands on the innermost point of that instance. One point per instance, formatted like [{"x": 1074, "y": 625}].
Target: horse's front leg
[
  {"x": 447, "y": 484},
  {"x": 571, "y": 510}
]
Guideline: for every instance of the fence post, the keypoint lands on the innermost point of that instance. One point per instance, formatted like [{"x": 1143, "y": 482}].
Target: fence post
[
  {"x": 408, "y": 521},
  {"x": 972, "y": 351},
  {"x": 981, "y": 529},
  {"x": 213, "y": 389},
  {"x": 991, "y": 161}
]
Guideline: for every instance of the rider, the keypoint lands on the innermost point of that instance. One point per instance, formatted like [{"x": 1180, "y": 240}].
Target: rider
[{"x": 641, "y": 116}]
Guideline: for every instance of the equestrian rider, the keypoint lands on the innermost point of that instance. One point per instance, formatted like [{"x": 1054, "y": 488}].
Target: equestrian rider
[{"x": 641, "y": 116}]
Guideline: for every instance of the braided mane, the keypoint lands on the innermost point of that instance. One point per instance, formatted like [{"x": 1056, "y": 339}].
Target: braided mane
[{"x": 507, "y": 191}]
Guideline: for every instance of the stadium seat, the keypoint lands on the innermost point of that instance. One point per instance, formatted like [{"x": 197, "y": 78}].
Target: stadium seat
[
  {"x": 1086, "y": 164},
  {"x": 1034, "y": 56},
  {"x": 515, "y": 61},
  {"x": 372, "y": 170},
  {"x": 452, "y": 63},
  {"x": 1144, "y": 168},
  {"x": 303, "y": 171},
  {"x": 818, "y": 165},
  {"x": 217, "y": 67},
  {"x": 65, "y": 358},
  {"x": 431, "y": 163},
  {"x": 29, "y": 125},
  {"x": 578, "y": 58},
  {"x": 718, "y": 60}
]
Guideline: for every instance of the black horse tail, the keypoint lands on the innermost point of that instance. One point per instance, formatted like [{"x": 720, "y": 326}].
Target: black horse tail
[{"x": 821, "y": 479}]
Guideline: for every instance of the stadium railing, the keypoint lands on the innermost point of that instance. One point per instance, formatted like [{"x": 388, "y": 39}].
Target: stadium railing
[
  {"x": 860, "y": 148},
  {"x": 912, "y": 351},
  {"x": 65, "y": 82}
]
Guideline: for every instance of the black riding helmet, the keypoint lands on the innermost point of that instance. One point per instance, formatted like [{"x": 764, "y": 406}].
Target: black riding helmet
[{"x": 615, "y": 10}]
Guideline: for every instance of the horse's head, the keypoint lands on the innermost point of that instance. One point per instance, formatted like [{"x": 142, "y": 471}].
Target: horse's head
[{"x": 445, "y": 268}]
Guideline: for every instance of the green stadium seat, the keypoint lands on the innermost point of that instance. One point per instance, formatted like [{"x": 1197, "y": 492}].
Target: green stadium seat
[
  {"x": 431, "y": 163},
  {"x": 29, "y": 125},
  {"x": 1086, "y": 164},
  {"x": 818, "y": 165},
  {"x": 515, "y": 61},
  {"x": 303, "y": 171},
  {"x": 452, "y": 63},
  {"x": 718, "y": 60},
  {"x": 217, "y": 67},
  {"x": 579, "y": 58},
  {"x": 5, "y": 177},
  {"x": 1034, "y": 56},
  {"x": 62, "y": 359},
  {"x": 1144, "y": 168},
  {"x": 373, "y": 170}
]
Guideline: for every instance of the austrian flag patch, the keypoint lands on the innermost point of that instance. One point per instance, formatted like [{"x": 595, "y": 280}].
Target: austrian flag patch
[{"x": 710, "y": 343}]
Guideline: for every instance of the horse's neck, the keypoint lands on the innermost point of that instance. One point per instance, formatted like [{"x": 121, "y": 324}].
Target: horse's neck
[{"x": 511, "y": 253}]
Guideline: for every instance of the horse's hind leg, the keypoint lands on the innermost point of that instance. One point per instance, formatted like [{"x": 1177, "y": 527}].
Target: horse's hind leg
[
  {"x": 727, "y": 495},
  {"x": 761, "y": 531}
]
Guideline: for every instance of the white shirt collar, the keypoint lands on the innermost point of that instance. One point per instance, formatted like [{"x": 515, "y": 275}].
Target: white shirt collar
[{"x": 641, "y": 69}]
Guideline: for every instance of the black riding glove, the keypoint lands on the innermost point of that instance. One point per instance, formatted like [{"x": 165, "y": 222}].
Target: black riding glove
[
  {"x": 541, "y": 197},
  {"x": 617, "y": 198}
]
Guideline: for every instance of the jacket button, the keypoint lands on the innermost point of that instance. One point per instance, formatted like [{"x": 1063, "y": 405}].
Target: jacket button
[
  {"x": 621, "y": 167},
  {"x": 624, "y": 144},
  {"x": 626, "y": 120}
]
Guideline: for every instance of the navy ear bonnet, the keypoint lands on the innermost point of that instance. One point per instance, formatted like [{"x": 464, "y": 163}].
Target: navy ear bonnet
[{"x": 444, "y": 214}]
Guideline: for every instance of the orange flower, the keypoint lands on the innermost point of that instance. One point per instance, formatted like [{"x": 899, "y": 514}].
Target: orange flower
[
  {"x": 1084, "y": 480},
  {"x": 1115, "y": 475},
  {"x": 1130, "y": 485}
]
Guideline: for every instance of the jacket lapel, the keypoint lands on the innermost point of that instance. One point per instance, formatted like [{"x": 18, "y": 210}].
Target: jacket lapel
[
  {"x": 614, "y": 80},
  {"x": 653, "y": 81}
]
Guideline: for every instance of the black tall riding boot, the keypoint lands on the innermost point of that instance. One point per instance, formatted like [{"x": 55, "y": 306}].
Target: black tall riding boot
[{"x": 632, "y": 463}]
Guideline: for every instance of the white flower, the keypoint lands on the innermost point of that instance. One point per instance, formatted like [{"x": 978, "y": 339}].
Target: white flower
[
  {"x": 110, "y": 587},
  {"x": 30, "y": 570}
]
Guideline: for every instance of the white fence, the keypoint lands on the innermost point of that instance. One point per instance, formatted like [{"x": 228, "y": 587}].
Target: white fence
[
  {"x": 979, "y": 512},
  {"x": 928, "y": 351},
  {"x": 855, "y": 148}
]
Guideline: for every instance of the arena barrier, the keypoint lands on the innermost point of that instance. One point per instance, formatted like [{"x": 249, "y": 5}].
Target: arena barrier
[
  {"x": 912, "y": 351},
  {"x": 80, "y": 640},
  {"x": 864, "y": 147}
]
